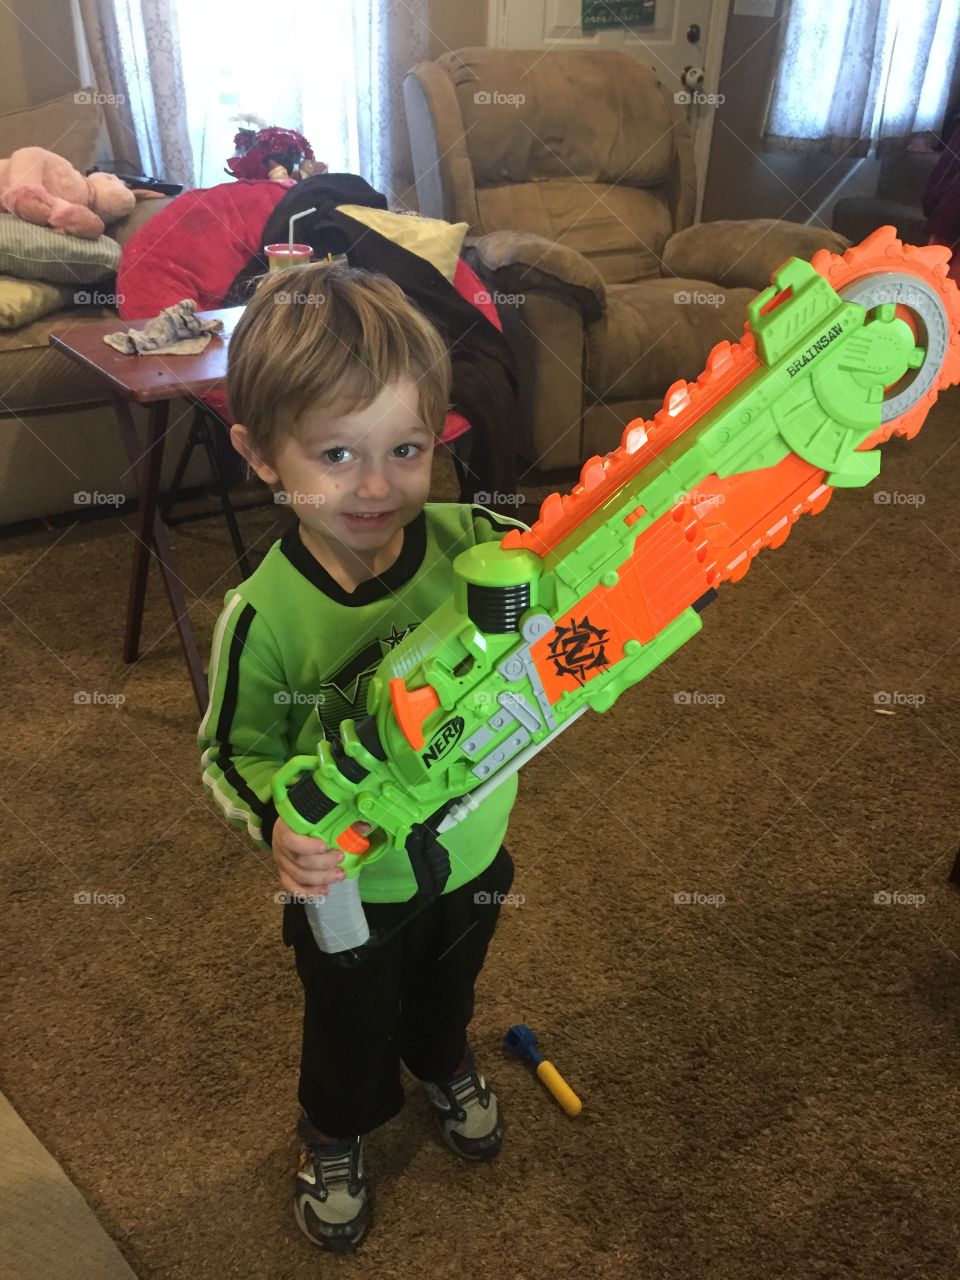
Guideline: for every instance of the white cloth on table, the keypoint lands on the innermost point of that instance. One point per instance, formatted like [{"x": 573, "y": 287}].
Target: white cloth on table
[{"x": 176, "y": 331}]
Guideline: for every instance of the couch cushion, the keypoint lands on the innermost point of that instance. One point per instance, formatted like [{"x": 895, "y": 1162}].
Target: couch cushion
[
  {"x": 658, "y": 331},
  {"x": 23, "y": 301},
  {"x": 622, "y": 230},
  {"x": 436, "y": 241},
  {"x": 69, "y": 126},
  {"x": 744, "y": 252},
  {"x": 34, "y": 375},
  {"x": 528, "y": 115},
  {"x": 37, "y": 253}
]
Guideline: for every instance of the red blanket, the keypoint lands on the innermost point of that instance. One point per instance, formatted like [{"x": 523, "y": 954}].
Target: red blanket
[
  {"x": 194, "y": 248},
  {"x": 199, "y": 244}
]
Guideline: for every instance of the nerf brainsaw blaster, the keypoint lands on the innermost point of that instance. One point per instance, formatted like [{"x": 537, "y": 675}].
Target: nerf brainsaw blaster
[{"x": 837, "y": 355}]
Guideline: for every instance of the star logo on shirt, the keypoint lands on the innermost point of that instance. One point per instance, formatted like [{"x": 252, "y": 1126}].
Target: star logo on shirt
[
  {"x": 394, "y": 638},
  {"x": 345, "y": 692}
]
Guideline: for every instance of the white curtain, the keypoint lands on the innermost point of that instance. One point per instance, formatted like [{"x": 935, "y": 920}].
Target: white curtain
[
  {"x": 133, "y": 49},
  {"x": 334, "y": 72},
  {"x": 854, "y": 75}
]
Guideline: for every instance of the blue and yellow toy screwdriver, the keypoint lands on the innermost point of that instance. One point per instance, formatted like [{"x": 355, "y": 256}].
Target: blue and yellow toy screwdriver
[{"x": 522, "y": 1041}]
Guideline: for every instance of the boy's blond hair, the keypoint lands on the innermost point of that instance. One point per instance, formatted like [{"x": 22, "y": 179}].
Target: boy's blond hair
[{"x": 326, "y": 335}]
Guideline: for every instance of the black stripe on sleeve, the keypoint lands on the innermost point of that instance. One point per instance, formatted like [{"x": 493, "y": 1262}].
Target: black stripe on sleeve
[{"x": 228, "y": 709}]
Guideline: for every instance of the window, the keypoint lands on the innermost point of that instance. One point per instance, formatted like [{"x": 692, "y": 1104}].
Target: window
[{"x": 851, "y": 75}]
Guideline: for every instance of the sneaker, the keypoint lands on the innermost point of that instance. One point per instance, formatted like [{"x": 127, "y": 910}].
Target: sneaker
[
  {"x": 467, "y": 1112},
  {"x": 330, "y": 1199}
]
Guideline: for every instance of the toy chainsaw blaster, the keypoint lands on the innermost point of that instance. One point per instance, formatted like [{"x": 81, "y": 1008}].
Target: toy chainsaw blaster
[{"x": 837, "y": 355}]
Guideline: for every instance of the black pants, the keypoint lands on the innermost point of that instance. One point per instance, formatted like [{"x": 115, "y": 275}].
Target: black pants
[{"x": 411, "y": 998}]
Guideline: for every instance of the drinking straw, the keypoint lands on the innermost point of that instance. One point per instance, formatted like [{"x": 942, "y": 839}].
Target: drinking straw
[{"x": 295, "y": 217}]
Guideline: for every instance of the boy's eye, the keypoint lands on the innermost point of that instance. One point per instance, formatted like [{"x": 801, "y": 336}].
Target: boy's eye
[
  {"x": 337, "y": 454},
  {"x": 407, "y": 450}
]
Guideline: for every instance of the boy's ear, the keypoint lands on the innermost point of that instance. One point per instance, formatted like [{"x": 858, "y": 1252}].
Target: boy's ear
[{"x": 240, "y": 439}]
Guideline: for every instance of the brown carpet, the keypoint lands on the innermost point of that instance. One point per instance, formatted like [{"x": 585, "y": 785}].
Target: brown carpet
[{"x": 769, "y": 1085}]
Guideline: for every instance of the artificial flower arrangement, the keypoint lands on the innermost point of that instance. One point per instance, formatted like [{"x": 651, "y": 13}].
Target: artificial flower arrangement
[{"x": 266, "y": 151}]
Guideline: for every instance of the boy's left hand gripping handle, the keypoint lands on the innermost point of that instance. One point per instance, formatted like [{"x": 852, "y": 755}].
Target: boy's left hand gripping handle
[{"x": 337, "y": 920}]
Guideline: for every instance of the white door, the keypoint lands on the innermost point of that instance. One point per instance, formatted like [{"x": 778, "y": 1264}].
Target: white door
[{"x": 681, "y": 39}]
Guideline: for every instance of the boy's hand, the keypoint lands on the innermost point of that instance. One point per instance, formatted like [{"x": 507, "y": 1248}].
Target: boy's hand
[{"x": 307, "y": 866}]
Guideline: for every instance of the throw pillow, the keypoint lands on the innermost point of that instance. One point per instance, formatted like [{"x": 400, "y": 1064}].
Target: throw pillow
[
  {"x": 438, "y": 242},
  {"x": 37, "y": 253},
  {"x": 23, "y": 301}
]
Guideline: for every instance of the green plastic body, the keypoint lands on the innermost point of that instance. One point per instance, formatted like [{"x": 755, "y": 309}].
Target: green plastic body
[{"x": 817, "y": 393}]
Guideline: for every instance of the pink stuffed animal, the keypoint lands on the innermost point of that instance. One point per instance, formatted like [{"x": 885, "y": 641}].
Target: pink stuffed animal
[{"x": 44, "y": 188}]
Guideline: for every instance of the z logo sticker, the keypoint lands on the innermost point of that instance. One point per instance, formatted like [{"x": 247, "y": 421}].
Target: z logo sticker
[{"x": 578, "y": 649}]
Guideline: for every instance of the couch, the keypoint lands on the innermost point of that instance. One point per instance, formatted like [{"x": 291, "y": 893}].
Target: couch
[
  {"x": 574, "y": 170},
  {"x": 57, "y": 432}
]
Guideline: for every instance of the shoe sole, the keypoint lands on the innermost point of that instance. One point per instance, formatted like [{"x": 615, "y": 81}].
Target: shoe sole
[
  {"x": 457, "y": 1151},
  {"x": 334, "y": 1245}
]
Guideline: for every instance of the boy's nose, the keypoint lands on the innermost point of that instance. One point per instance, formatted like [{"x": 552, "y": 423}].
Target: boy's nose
[{"x": 373, "y": 484}]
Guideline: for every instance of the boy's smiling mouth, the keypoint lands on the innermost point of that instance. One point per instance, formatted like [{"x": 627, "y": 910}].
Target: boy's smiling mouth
[{"x": 368, "y": 518}]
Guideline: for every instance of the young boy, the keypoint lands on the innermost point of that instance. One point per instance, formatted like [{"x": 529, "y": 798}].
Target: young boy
[{"x": 339, "y": 389}]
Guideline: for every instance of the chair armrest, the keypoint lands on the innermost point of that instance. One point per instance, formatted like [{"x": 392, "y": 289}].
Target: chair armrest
[
  {"x": 744, "y": 253},
  {"x": 521, "y": 262}
]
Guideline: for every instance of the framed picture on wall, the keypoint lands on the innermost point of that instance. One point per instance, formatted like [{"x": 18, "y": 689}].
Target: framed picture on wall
[{"x": 601, "y": 15}]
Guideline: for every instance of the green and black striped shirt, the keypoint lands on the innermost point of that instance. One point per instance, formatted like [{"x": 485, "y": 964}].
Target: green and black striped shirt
[{"x": 293, "y": 655}]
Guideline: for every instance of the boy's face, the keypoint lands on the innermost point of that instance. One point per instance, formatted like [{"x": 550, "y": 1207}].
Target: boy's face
[{"x": 355, "y": 479}]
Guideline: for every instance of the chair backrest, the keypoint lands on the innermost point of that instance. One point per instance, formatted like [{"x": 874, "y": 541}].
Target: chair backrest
[{"x": 585, "y": 147}]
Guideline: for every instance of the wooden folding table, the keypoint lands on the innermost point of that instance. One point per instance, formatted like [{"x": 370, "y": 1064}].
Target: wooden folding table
[{"x": 152, "y": 381}]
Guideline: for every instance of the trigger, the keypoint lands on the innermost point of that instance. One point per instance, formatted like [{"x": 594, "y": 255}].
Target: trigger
[{"x": 351, "y": 841}]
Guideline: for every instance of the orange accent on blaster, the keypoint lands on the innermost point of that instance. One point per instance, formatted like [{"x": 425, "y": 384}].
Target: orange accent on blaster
[
  {"x": 411, "y": 707},
  {"x": 694, "y": 546},
  {"x": 351, "y": 841},
  {"x": 684, "y": 404}
]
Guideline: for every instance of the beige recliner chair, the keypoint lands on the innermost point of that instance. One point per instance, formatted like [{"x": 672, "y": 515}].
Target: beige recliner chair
[{"x": 575, "y": 173}]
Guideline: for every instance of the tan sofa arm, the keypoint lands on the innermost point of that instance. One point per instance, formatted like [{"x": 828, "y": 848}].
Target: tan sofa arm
[
  {"x": 743, "y": 253},
  {"x": 520, "y": 262}
]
